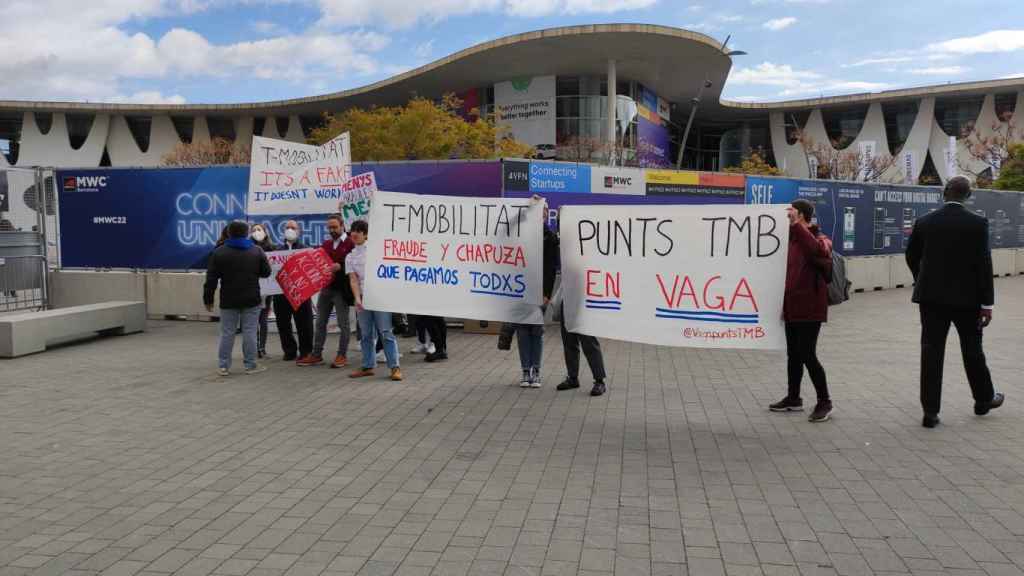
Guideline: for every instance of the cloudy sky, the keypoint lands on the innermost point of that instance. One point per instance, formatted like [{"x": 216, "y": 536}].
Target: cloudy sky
[{"x": 195, "y": 51}]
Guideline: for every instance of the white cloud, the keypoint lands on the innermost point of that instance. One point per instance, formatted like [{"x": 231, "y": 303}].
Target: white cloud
[
  {"x": 425, "y": 50},
  {"x": 794, "y": 82},
  {"x": 146, "y": 97},
  {"x": 777, "y": 24},
  {"x": 938, "y": 71},
  {"x": 877, "y": 61},
  {"x": 1012, "y": 76},
  {"x": 267, "y": 27},
  {"x": 403, "y": 14},
  {"x": 86, "y": 54},
  {"x": 988, "y": 43}
]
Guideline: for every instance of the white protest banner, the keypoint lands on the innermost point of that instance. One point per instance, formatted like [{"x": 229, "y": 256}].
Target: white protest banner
[
  {"x": 708, "y": 276},
  {"x": 293, "y": 178},
  {"x": 277, "y": 258},
  {"x": 476, "y": 258}
]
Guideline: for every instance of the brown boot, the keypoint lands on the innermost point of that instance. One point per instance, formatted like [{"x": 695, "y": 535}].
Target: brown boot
[
  {"x": 396, "y": 374},
  {"x": 361, "y": 373},
  {"x": 339, "y": 362}
]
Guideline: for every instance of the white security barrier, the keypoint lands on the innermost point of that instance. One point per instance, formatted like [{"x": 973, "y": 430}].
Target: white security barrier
[
  {"x": 78, "y": 287},
  {"x": 28, "y": 333},
  {"x": 869, "y": 272},
  {"x": 899, "y": 273},
  {"x": 1004, "y": 262},
  {"x": 176, "y": 294}
]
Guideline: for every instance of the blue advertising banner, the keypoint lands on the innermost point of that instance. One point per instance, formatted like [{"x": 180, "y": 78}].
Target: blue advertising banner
[
  {"x": 171, "y": 218},
  {"x": 876, "y": 219},
  {"x": 653, "y": 141},
  {"x": 556, "y": 200},
  {"x": 559, "y": 177}
]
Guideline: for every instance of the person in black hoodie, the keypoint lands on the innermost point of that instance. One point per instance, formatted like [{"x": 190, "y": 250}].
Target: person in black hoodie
[
  {"x": 260, "y": 238},
  {"x": 283, "y": 309},
  {"x": 237, "y": 267}
]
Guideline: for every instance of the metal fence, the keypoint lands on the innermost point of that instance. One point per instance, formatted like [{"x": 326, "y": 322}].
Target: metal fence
[{"x": 27, "y": 212}]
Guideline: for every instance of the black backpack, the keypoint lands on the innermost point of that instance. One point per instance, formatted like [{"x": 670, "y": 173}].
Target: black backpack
[{"x": 838, "y": 285}]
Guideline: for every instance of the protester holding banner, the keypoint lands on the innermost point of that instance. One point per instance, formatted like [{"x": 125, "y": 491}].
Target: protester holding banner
[
  {"x": 805, "y": 308},
  {"x": 303, "y": 317},
  {"x": 337, "y": 297},
  {"x": 371, "y": 323},
  {"x": 236, "y": 268},
  {"x": 260, "y": 238},
  {"x": 530, "y": 337}
]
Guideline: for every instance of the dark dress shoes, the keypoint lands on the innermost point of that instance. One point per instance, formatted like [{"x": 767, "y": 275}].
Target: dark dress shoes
[
  {"x": 982, "y": 408},
  {"x": 930, "y": 420}
]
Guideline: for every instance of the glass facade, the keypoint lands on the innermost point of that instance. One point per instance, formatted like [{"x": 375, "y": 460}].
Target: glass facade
[
  {"x": 957, "y": 116},
  {"x": 899, "y": 120},
  {"x": 842, "y": 125}
]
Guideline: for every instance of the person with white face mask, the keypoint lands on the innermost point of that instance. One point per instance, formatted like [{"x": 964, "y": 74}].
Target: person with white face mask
[
  {"x": 259, "y": 238},
  {"x": 303, "y": 317}
]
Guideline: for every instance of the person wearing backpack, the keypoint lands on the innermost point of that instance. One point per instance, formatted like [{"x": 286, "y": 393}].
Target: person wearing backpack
[{"x": 805, "y": 308}]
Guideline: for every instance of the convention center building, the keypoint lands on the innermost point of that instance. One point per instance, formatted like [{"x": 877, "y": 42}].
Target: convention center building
[{"x": 565, "y": 91}]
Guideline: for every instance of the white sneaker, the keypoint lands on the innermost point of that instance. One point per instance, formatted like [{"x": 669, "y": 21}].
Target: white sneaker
[
  {"x": 381, "y": 358},
  {"x": 255, "y": 369},
  {"x": 535, "y": 383},
  {"x": 525, "y": 381},
  {"x": 431, "y": 349},
  {"x": 223, "y": 372},
  {"x": 418, "y": 349}
]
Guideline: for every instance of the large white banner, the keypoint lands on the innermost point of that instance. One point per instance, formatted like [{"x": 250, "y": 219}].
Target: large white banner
[
  {"x": 277, "y": 258},
  {"x": 527, "y": 107},
  {"x": 476, "y": 258},
  {"x": 709, "y": 276},
  {"x": 293, "y": 178}
]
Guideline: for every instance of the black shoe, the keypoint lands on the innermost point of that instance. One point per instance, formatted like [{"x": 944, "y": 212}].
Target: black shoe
[
  {"x": 288, "y": 357},
  {"x": 260, "y": 353},
  {"x": 787, "y": 404},
  {"x": 930, "y": 420},
  {"x": 599, "y": 388},
  {"x": 435, "y": 357},
  {"x": 568, "y": 384},
  {"x": 982, "y": 408},
  {"x": 822, "y": 412}
]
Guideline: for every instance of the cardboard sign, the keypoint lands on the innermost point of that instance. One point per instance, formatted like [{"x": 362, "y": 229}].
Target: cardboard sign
[
  {"x": 709, "y": 276},
  {"x": 356, "y": 198},
  {"x": 476, "y": 258},
  {"x": 305, "y": 274},
  {"x": 277, "y": 258},
  {"x": 293, "y": 178}
]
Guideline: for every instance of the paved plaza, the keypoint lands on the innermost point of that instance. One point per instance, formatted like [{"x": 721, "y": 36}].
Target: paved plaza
[{"x": 129, "y": 456}]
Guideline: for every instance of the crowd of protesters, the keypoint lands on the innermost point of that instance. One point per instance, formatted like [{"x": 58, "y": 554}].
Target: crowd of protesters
[{"x": 948, "y": 254}]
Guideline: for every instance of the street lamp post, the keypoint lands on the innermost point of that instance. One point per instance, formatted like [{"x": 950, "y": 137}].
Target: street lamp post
[{"x": 696, "y": 101}]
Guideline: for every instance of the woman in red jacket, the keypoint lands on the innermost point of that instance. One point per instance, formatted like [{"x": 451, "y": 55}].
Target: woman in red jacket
[{"x": 805, "y": 308}]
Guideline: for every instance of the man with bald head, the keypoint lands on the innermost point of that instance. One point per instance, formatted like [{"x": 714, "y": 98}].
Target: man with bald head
[
  {"x": 949, "y": 256},
  {"x": 303, "y": 317}
]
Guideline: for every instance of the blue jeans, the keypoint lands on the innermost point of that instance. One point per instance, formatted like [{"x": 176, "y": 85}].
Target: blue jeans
[
  {"x": 372, "y": 323},
  {"x": 229, "y": 319},
  {"x": 530, "y": 338}
]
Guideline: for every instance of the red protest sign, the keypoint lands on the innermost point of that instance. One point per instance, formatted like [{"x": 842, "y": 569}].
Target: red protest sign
[{"x": 305, "y": 274}]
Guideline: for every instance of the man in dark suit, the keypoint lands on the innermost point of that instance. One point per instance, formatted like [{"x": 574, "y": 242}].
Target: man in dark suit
[{"x": 949, "y": 255}]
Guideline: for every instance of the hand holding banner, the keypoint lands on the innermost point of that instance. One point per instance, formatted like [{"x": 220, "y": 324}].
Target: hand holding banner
[
  {"x": 709, "y": 276},
  {"x": 479, "y": 258},
  {"x": 305, "y": 274}
]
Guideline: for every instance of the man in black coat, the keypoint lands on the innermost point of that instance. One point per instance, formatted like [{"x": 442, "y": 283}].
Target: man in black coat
[
  {"x": 283, "y": 312},
  {"x": 237, "y": 267},
  {"x": 949, "y": 256}
]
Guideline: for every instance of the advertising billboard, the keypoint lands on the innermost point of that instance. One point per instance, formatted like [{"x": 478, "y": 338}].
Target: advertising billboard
[
  {"x": 559, "y": 177},
  {"x": 527, "y": 107},
  {"x": 653, "y": 140},
  {"x": 607, "y": 180},
  {"x": 676, "y": 182}
]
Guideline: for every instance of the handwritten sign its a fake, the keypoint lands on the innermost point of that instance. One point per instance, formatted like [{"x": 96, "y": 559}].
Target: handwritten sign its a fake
[
  {"x": 294, "y": 178},
  {"x": 478, "y": 258},
  {"x": 710, "y": 276},
  {"x": 305, "y": 274}
]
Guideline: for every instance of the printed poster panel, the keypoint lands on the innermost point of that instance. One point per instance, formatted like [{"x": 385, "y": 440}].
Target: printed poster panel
[
  {"x": 294, "y": 178},
  {"x": 305, "y": 274},
  {"x": 477, "y": 258},
  {"x": 559, "y": 177},
  {"x": 606, "y": 180},
  {"x": 527, "y": 107},
  {"x": 708, "y": 276}
]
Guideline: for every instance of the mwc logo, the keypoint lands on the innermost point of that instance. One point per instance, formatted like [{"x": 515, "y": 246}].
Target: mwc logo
[
  {"x": 84, "y": 183},
  {"x": 617, "y": 181}
]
